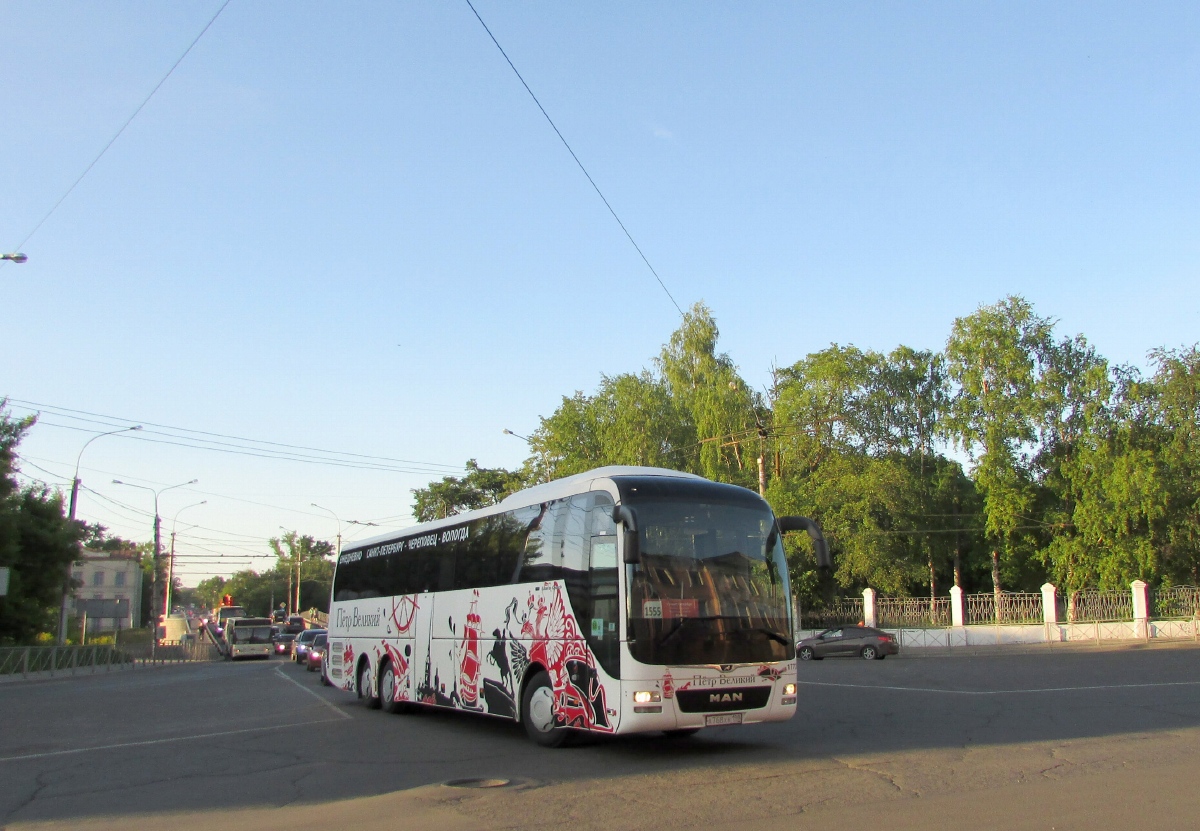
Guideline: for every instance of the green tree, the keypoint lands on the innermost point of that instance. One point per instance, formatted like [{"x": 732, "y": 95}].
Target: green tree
[
  {"x": 210, "y": 590},
  {"x": 298, "y": 557},
  {"x": 480, "y": 488},
  {"x": 631, "y": 420},
  {"x": 37, "y": 543},
  {"x": 1176, "y": 408},
  {"x": 996, "y": 357},
  {"x": 724, "y": 415}
]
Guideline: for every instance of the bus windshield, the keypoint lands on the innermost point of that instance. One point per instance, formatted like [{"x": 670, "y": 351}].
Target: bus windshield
[
  {"x": 711, "y": 587},
  {"x": 251, "y": 634}
]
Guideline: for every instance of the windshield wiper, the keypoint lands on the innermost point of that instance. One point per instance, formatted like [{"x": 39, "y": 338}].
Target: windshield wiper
[
  {"x": 773, "y": 635},
  {"x": 674, "y": 631}
]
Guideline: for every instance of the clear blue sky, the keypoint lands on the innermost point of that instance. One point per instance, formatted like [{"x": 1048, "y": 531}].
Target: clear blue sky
[{"x": 347, "y": 226}]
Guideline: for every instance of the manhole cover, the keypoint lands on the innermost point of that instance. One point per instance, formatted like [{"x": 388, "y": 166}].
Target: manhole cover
[{"x": 479, "y": 783}]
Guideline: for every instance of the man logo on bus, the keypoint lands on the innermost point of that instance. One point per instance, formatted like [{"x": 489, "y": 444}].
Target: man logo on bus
[{"x": 724, "y": 698}]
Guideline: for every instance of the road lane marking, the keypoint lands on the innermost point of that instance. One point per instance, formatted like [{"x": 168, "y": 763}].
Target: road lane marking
[
  {"x": 1001, "y": 692},
  {"x": 73, "y": 751},
  {"x": 314, "y": 694}
]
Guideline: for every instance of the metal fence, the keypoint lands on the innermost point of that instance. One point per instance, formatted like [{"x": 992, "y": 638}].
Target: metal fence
[
  {"x": 1096, "y": 607},
  {"x": 1175, "y": 603},
  {"x": 29, "y": 660},
  {"x": 913, "y": 612},
  {"x": 842, "y": 610},
  {"x": 1015, "y": 607},
  {"x": 25, "y": 660}
]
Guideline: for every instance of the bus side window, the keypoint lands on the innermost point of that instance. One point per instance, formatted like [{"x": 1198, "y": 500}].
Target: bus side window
[
  {"x": 570, "y": 533},
  {"x": 539, "y": 561},
  {"x": 345, "y": 584},
  {"x": 515, "y": 537},
  {"x": 446, "y": 556}
]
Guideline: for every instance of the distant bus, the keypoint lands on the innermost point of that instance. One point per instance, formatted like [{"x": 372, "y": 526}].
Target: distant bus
[
  {"x": 620, "y": 600},
  {"x": 248, "y": 637}
]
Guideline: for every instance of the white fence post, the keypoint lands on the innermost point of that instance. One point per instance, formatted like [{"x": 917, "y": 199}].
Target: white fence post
[
  {"x": 957, "y": 615},
  {"x": 1050, "y": 611},
  {"x": 1141, "y": 609},
  {"x": 868, "y": 607}
]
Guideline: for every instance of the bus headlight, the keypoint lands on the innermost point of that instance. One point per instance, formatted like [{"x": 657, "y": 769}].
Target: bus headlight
[
  {"x": 789, "y": 689},
  {"x": 645, "y": 697}
]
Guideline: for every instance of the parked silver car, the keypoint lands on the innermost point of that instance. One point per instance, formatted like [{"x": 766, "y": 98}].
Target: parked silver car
[{"x": 848, "y": 641}]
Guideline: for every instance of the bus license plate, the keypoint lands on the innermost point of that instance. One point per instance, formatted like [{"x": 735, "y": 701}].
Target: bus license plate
[{"x": 723, "y": 718}]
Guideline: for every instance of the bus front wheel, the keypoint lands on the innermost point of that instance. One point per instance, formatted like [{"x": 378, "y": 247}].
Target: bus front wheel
[
  {"x": 366, "y": 689},
  {"x": 387, "y": 690},
  {"x": 537, "y": 712}
]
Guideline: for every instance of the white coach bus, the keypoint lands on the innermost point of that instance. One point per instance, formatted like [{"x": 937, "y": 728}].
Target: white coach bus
[{"x": 622, "y": 600}]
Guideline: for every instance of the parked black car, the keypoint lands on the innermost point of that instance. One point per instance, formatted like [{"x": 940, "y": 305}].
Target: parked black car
[
  {"x": 848, "y": 641},
  {"x": 302, "y": 643}
]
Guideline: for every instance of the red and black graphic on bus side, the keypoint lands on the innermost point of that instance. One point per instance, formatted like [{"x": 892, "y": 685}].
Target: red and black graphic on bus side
[{"x": 539, "y": 631}]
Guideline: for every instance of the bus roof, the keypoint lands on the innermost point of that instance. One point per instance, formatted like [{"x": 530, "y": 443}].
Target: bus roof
[
  {"x": 239, "y": 622},
  {"x": 558, "y": 489}
]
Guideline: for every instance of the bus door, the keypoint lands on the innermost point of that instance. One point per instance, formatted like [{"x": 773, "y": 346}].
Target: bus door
[{"x": 588, "y": 538}]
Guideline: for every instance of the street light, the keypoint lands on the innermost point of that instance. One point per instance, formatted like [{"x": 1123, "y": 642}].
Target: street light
[
  {"x": 171, "y": 561},
  {"x": 339, "y": 522},
  {"x": 16, "y": 258},
  {"x": 157, "y": 548},
  {"x": 529, "y": 441},
  {"x": 66, "y": 592}
]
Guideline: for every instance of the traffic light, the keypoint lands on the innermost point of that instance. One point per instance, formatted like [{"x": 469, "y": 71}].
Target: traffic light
[{"x": 227, "y": 600}]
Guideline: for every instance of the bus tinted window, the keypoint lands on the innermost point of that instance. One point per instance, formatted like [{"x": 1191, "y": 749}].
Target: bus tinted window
[{"x": 495, "y": 551}]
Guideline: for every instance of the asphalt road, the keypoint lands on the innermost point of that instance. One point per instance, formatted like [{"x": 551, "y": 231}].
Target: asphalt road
[{"x": 1062, "y": 740}]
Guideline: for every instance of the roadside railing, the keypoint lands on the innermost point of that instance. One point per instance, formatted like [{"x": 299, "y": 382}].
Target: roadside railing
[
  {"x": 913, "y": 612},
  {"x": 1176, "y": 603},
  {"x": 27, "y": 660},
  {"x": 75, "y": 660},
  {"x": 1015, "y": 607},
  {"x": 1098, "y": 607},
  {"x": 991, "y": 619},
  {"x": 843, "y": 610}
]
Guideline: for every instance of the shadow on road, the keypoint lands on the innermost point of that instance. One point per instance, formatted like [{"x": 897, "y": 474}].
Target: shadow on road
[{"x": 266, "y": 734}]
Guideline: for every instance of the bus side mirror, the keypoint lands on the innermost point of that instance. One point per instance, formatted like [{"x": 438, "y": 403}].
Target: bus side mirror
[
  {"x": 820, "y": 546},
  {"x": 624, "y": 515}
]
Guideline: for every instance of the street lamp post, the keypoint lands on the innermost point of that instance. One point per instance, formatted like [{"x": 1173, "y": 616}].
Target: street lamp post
[
  {"x": 529, "y": 441},
  {"x": 66, "y": 592},
  {"x": 339, "y": 523},
  {"x": 15, "y": 257},
  {"x": 171, "y": 559},
  {"x": 154, "y": 598}
]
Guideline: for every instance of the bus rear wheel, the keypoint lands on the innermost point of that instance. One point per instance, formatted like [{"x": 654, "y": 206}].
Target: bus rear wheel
[
  {"x": 366, "y": 689},
  {"x": 537, "y": 712}
]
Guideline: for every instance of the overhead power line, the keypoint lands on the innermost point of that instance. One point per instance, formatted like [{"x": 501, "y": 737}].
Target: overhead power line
[
  {"x": 117, "y": 135},
  {"x": 567, "y": 145},
  {"x": 238, "y": 445}
]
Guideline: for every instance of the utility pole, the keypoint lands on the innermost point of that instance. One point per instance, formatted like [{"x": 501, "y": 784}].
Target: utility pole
[
  {"x": 171, "y": 558},
  {"x": 155, "y": 599},
  {"x": 65, "y": 605}
]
